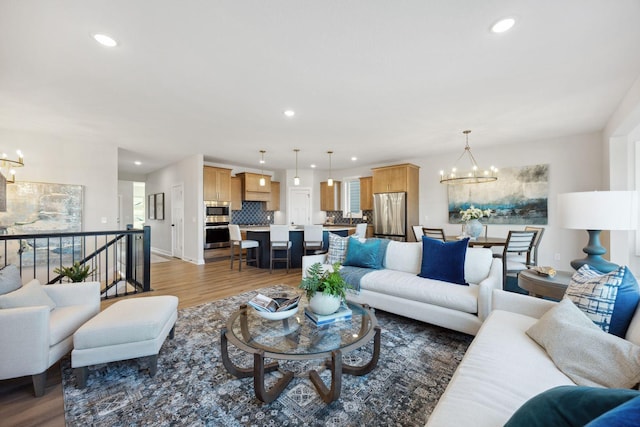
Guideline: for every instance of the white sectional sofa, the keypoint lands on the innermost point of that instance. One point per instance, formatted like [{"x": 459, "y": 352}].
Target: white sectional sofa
[
  {"x": 503, "y": 367},
  {"x": 397, "y": 289}
]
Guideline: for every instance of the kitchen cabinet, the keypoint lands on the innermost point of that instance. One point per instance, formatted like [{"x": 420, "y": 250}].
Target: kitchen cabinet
[
  {"x": 217, "y": 184},
  {"x": 251, "y": 188},
  {"x": 273, "y": 204},
  {"x": 366, "y": 193},
  {"x": 236, "y": 194},
  {"x": 330, "y": 196},
  {"x": 392, "y": 179},
  {"x": 401, "y": 178}
]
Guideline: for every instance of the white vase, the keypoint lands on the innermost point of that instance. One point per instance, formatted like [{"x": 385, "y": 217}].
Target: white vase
[
  {"x": 324, "y": 304},
  {"x": 474, "y": 228}
]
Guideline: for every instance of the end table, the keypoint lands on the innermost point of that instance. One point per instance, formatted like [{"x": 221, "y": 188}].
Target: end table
[{"x": 544, "y": 286}]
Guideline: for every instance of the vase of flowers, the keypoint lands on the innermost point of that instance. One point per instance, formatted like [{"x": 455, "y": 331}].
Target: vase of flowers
[{"x": 472, "y": 217}]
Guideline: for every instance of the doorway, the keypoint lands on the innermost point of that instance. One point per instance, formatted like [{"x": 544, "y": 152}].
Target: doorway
[
  {"x": 300, "y": 205},
  {"x": 177, "y": 220}
]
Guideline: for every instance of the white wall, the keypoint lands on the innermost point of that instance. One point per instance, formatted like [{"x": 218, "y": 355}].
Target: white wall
[
  {"x": 575, "y": 164},
  {"x": 94, "y": 166},
  {"x": 125, "y": 192},
  {"x": 189, "y": 172}
]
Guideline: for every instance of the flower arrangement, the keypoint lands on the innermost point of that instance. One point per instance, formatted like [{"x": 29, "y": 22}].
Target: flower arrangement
[{"x": 474, "y": 213}]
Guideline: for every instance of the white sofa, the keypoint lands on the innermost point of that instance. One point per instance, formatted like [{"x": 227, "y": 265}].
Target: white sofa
[
  {"x": 35, "y": 337},
  {"x": 503, "y": 367},
  {"x": 397, "y": 289}
]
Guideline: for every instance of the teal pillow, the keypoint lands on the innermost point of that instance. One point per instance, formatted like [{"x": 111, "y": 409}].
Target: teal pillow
[
  {"x": 569, "y": 406},
  {"x": 625, "y": 415},
  {"x": 444, "y": 260},
  {"x": 363, "y": 254}
]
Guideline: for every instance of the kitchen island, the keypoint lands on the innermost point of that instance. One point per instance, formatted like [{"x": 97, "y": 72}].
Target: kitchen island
[{"x": 296, "y": 236}]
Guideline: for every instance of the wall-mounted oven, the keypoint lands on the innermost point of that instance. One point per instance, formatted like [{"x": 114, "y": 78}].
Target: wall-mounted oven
[{"x": 216, "y": 235}]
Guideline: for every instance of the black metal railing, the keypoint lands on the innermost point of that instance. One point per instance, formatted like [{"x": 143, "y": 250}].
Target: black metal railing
[{"x": 119, "y": 260}]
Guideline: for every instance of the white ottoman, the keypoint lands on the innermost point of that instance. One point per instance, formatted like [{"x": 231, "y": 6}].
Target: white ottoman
[{"x": 126, "y": 330}]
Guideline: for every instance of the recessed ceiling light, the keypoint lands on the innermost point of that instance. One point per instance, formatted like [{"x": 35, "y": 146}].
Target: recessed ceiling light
[
  {"x": 353, "y": 159},
  {"x": 289, "y": 113},
  {"x": 503, "y": 25},
  {"x": 313, "y": 166},
  {"x": 137, "y": 163},
  {"x": 105, "y": 40}
]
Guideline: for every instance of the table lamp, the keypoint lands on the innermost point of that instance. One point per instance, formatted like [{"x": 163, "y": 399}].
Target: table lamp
[{"x": 595, "y": 211}]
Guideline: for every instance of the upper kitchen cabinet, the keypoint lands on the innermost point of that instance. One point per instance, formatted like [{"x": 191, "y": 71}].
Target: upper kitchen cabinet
[
  {"x": 217, "y": 184},
  {"x": 236, "y": 193},
  {"x": 397, "y": 178},
  {"x": 273, "y": 204},
  {"x": 366, "y": 193},
  {"x": 330, "y": 196},
  {"x": 251, "y": 188}
]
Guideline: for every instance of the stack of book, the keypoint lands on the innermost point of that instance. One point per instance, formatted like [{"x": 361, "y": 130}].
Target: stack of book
[
  {"x": 343, "y": 313},
  {"x": 265, "y": 304}
]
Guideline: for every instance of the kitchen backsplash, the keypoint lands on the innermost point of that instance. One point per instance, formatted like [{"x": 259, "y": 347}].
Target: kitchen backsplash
[
  {"x": 252, "y": 213},
  {"x": 338, "y": 218}
]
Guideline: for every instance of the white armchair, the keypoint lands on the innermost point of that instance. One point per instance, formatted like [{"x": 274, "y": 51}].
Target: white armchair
[{"x": 35, "y": 337}]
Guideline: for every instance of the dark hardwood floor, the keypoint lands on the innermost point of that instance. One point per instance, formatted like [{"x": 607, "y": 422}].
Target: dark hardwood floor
[{"x": 192, "y": 284}]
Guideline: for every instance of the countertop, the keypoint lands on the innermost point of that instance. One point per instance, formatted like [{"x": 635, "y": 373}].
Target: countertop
[{"x": 265, "y": 228}]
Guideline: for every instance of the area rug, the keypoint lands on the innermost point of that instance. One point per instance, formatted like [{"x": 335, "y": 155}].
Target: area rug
[{"x": 193, "y": 388}]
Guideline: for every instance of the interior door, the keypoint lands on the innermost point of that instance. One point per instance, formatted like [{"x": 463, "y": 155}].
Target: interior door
[
  {"x": 177, "y": 220},
  {"x": 300, "y": 205}
]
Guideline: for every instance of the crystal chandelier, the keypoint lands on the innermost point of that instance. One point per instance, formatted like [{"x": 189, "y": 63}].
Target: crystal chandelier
[{"x": 474, "y": 176}]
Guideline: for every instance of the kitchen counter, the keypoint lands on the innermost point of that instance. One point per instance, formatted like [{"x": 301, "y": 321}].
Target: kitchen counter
[{"x": 261, "y": 234}]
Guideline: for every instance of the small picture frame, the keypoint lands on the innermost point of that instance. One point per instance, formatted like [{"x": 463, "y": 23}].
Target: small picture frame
[
  {"x": 152, "y": 206},
  {"x": 159, "y": 206}
]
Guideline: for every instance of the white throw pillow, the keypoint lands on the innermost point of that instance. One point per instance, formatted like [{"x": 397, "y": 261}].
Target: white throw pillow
[
  {"x": 30, "y": 295},
  {"x": 583, "y": 351},
  {"x": 337, "y": 248},
  {"x": 10, "y": 279}
]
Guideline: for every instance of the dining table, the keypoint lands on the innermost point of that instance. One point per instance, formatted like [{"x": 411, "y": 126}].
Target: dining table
[{"x": 482, "y": 241}]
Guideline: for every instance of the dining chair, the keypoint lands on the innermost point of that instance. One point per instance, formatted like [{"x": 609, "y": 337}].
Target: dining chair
[
  {"x": 279, "y": 242},
  {"x": 313, "y": 239},
  {"x": 434, "y": 233},
  {"x": 417, "y": 231},
  {"x": 235, "y": 240},
  {"x": 519, "y": 243},
  {"x": 361, "y": 230}
]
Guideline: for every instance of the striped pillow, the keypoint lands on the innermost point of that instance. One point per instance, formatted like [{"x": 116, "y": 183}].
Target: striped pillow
[{"x": 337, "y": 248}]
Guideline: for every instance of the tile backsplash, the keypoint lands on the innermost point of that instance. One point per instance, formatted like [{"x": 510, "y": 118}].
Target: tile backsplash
[
  {"x": 338, "y": 218},
  {"x": 252, "y": 213}
]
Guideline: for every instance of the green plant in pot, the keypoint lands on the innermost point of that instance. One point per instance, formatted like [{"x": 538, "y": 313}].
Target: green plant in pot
[
  {"x": 75, "y": 273},
  {"x": 325, "y": 289}
]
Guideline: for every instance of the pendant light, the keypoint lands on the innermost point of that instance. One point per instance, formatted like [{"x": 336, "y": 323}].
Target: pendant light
[
  {"x": 330, "y": 180},
  {"x": 474, "y": 176},
  {"x": 263, "y": 182},
  {"x": 296, "y": 179}
]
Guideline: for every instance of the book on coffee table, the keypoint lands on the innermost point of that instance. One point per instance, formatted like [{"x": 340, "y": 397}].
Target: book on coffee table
[
  {"x": 343, "y": 313},
  {"x": 264, "y": 303}
]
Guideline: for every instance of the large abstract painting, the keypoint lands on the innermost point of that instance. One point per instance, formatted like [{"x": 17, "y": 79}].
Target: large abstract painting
[
  {"x": 41, "y": 208},
  {"x": 519, "y": 196}
]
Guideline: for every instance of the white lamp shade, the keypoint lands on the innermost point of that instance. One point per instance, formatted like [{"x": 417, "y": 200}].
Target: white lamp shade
[{"x": 598, "y": 210}]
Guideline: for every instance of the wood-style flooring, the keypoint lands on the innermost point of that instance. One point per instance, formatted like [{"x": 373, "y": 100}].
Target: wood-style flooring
[{"x": 192, "y": 284}]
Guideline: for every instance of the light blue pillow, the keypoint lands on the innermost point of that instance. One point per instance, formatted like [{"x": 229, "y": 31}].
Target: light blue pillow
[
  {"x": 609, "y": 300},
  {"x": 363, "y": 254},
  {"x": 444, "y": 260}
]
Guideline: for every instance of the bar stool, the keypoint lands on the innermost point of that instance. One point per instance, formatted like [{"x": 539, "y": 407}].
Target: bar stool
[
  {"x": 279, "y": 238},
  {"x": 361, "y": 230},
  {"x": 313, "y": 239},
  {"x": 235, "y": 239}
]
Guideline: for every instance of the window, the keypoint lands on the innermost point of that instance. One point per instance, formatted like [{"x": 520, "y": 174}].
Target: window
[{"x": 351, "y": 193}]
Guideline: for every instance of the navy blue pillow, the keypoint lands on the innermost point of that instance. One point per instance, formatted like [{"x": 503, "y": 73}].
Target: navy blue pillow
[
  {"x": 363, "y": 254},
  {"x": 444, "y": 260},
  {"x": 626, "y": 303},
  {"x": 569, "y": 406},
  {"x": 625, "y": 415}
]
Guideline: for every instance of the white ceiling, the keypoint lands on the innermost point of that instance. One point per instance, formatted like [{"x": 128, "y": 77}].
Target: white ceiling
[{"x": 380, "y": 80}]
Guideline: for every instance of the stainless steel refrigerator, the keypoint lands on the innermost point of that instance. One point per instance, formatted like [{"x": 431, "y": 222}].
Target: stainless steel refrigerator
[{"x": 390, "y": 216}]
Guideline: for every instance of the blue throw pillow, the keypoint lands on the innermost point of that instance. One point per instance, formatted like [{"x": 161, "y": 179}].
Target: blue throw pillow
[
  {"x": 609, "y": 300},
  {"x": 625, "y": 415},
  {"x": 363, "y": 254},
  {"x": 444, "y": 260},
  {"x": 569, "y": 406}
]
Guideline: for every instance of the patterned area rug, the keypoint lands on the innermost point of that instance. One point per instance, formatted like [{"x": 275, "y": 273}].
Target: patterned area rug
[{"x": 193, "y": 388}]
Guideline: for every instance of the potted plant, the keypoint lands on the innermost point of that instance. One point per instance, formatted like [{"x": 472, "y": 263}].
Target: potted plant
[
  {"x": 325, "y": 289},
  {"x": 76, "y": 273}
]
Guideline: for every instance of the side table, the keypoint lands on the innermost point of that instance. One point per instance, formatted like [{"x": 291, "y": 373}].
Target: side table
[{"x": 544, "y": 286}]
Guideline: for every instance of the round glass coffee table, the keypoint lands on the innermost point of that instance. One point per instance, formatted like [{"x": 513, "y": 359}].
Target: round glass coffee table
[{"x": 298, "y": 338}]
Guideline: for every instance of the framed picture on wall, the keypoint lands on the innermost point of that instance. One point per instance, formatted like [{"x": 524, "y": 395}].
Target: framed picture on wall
[
  {"x": 159, "y": 206},
  {"x": 152, "y": 206}
]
